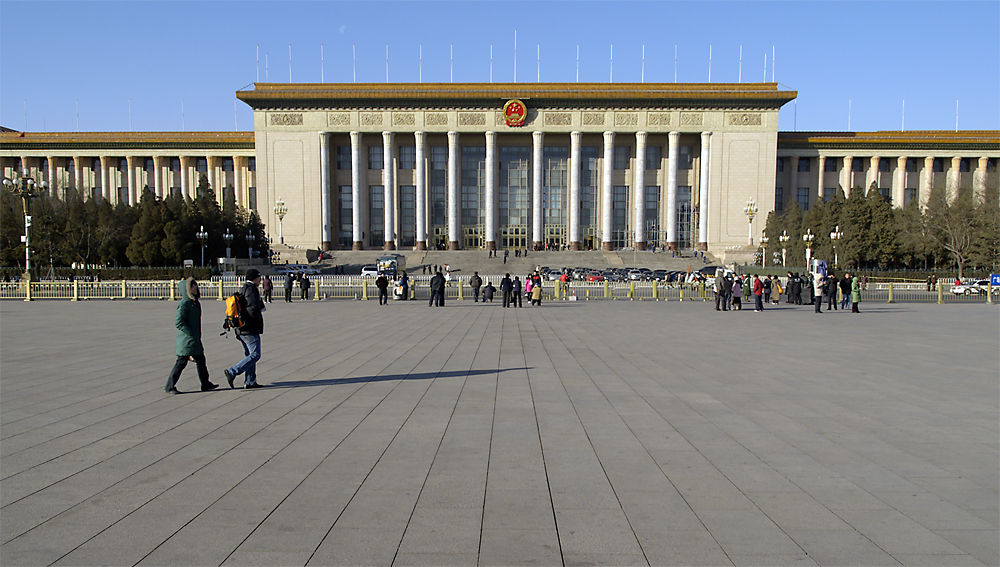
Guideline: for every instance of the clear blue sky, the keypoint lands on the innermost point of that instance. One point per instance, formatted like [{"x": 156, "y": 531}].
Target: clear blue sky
[{"x": 56, "y": 55}]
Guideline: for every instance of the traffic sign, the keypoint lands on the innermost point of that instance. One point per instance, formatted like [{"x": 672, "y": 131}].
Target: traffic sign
[{"x": 995, "y": 280}]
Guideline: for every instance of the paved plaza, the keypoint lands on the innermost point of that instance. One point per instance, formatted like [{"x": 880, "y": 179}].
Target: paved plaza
[{"x": 578, "y": 433}]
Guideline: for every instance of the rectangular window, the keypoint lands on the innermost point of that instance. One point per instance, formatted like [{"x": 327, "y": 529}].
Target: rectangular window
[
  {"x": 251, "y": 197},
  {"x": 685, "y": 226},
  {"x": 652, "y": 211},
  {"x": 473, "y": 184},
  {"x": 344, "y": 157},
  {"x": 439, "y": 186},
  {"x": 830, "y": 164},
  {"x": 408, "y": 215},
  {"x": 376, "y": 214},
  {"x": 803, "y": 164},
  {"x": 685, "y": 157},
  {"x": 375, "y": 157},
  {"x": 201, "y": 165},
  {"x": 514, "y": 186},
  {"x": 991, "y": 165},
  {"x": 780, "y": 164},
  {"x": 911, "y": 165},
  {"x": 802, "y": 198},
  {"x": 938, "y": 165},
  {"x": 407, "y": 157},
  {"x": 622, "y": 156},
  {"x": 346, "y": 216},
  {"x": 588, "y": 186},
  {"x": 619, "y": 216},
  {"x": 886, "y": 193},
  {"x": 227, "y": 165},
  {"x": 908, "y": 196},
  {"x": 883, "y": 165},
  {"x": 654, "y": 154},
  {"x": 779, "y": 199},
  {"x": 857, "y": 165},
  {"x": 554, "y": 184},
  {"x": 829, "y": 193},
  {"x": 965, "y": 165},
  {"x": 251, "y": 164}
]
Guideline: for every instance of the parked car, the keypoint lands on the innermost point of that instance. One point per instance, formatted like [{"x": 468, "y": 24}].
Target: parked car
[
  {"x": 977, "y": 286},
  {"x": 595, "y": 277},
  {"x": 635, "y": 275},
  {"x": 369, "y": 271}
]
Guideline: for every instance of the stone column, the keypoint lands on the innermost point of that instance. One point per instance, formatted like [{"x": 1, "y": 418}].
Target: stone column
[
  {"x": 133, "y": 192},
  {"x": 238, "y": 180},
  {"x": 846, "y": 171},
  {"x": 53, "y": 185},
  {"x": 325, "y": 197},
  {"x": 873, "y": 172},
  {"x": 821, "y": 166},
  {"x": 356, "y": 189},
  {"x": 388, "y": 192},
  {"x": 454, "y": 196},
  {"x": 185, "y": 178},
  {"x": 672, "y": 153},
  {"x": 537, "y": 213},
  {"x": 978, "y": 178},
  {"x": 607, "y": 216},
  {"x": 639, "y": 192},
  {"x": 793, "y": 180},
  {"x": 706, "y": 141},
  {"x": 105, "y": 179},
  {"x": 926, "y": 181},
  {"x": 158, "y": 177},
  {"x": 490, "y": 206},
  {"x": 954, "y": 178},
  {"x": 574, "y": 190},
  {"x": 78, "y": 181},
  {"x": 899, "y": 182},
  {"x": 420, "y": 175}
]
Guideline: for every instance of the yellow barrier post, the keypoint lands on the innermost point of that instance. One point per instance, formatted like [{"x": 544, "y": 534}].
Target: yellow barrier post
[
  {"x": 76, "y": 290},
  {"x": 27, "y": 289},
  {"x": 890, "y": 294},
  {"x": 607, "y": 290},
  {"x": 631, "y": 291},
  {"x": 124, "y": 289},
  {"x": 364, "y": 289},
  {"x": 940, "y": 293},
  {"x": 172, "y": 288},
  {"x": 220, "y": 291},
  {"x": 682, "y": 293},
  {"x": 656, "y": 291},
  {"x": 460, "y": 296},
  {"x": 319, "y": 285},
  {"x": 989, "y": 290}
]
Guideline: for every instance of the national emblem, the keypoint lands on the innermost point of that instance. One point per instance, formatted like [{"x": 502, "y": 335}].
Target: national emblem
[{"x": 514, "y": 112}]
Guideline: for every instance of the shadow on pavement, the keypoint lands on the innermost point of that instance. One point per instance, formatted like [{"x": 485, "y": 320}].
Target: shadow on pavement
[{"x": 365, "y": 379}]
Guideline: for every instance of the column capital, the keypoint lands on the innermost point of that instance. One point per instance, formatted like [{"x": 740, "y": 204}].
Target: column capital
[
  {"x": 355, "y": 137},
  {"x": 387, "y": 137},
  {"x": 640, "y": 137},
  {"x": 324, "y": 139},
  {"x": 452, "y": 135},
  {"x": 420, "y": 136},
  {"x": 537, "y": 136},
  {"x": 576, "y": 135},
  {"x": 609, "y": 137},
  {"x": 674, "y": 136},
  {"x": 491, "y": 138}
]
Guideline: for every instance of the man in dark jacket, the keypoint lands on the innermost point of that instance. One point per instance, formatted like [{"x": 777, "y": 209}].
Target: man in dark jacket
[
  {"x": 437, "y": 290},
  {"x": 289, "y": 282},
  {"x": 304, "y": 284},
  {"x": 475, "y": 282},
  {"x": 845, "y": 290},
  {"x": 188, "y": 323},
  {"x": 249, "y": 334},
  {"x": 831, "y": 292},
  {"x": 382, "y": 283},
  {"x": 505, "y": 289}
]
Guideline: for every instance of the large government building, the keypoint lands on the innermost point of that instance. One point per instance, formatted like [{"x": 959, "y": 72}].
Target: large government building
[{"x": 582, "y": 166}]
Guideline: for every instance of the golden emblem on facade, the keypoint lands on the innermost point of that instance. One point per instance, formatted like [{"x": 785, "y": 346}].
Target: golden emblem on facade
[{"x": 514, "y": 112}]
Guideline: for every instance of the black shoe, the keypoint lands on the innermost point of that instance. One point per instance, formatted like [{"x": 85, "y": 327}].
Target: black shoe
[
  {"x": 174, "y": 391},
  {"x": 229, "y": 378},
  {"x": 252, "y": 386},
  {"x": 209, "y": 387}
]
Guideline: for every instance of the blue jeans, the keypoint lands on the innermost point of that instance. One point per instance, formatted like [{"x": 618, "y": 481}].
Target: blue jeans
[
  {"x": 251, "y": 346},
  {"x": 845, "y": 300}
]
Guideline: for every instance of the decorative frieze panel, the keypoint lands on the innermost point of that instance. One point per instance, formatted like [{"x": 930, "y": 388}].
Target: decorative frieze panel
[
  {"x": 338, "y": 119},
  {"x": 371, "y": 119},
  {"x": 593, "y": 119},
  {"x": 658, "y": 119},
  {"x": 692, "y": 119},
  {"x": 746, "y": 119},
  {"x": 285, "y": 119},
  {"x": 472, "y": 119},
  {"x": 558, "y": 119},
  {"x": 626, "y": 119},
  {"x": 436, "y": 119},
  {"x": 403, "y": 119}
]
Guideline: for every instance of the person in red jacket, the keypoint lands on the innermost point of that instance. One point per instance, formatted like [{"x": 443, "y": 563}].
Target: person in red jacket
[{"x": 758, "y": 292}]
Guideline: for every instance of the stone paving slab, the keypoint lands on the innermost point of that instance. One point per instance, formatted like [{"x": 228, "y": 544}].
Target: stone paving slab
[{"x": 578, "y": 433}]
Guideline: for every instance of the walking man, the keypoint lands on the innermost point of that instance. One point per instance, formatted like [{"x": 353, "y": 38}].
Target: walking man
[
  {"x": 188, "y": 323},
  {"x": 516, "y": 291},
  {"x": 505, "y": 289},
  {"x": 267, "y": 287},
  {"x": 249, "y": 334},
  {"x": 475, "y": 282},
  {"x": 758, "y": 293},
  {"x": 845, "y": 291},
  {"x": 382, "y": 283}
]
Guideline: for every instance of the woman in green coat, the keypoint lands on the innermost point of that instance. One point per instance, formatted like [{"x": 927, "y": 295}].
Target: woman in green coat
[
  {"x": 855, "y": 294},
  {"x": 188, "y": 323}
]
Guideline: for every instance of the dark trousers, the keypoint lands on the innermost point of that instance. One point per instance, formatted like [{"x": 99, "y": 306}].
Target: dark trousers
[
  {"x": 475, "y": 294},
  {"x": 506, "y": 297},
  {"x": 818, "y": 301},
  {"x": 516, "y": 300},
  {"x": 267, "y": 295},
  {"x": 288, "y": 294},
  {"x": 304, "y": 293},
  {"x": 831, "y": 301},
  {"x": 759, "y": 302},
  {"x": 175, "y": 372},
  {"x": 437, "y": 298},
  {"x": 383, "y": 295},
  {"x": 854, "y": 307}
]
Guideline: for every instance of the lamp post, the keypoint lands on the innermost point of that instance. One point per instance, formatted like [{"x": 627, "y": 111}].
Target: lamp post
[
  {"x": 763, "y": 249},
  {"x": 808, "y": 238},
  {"x": 835, "y": 236},
  {"x": 750, "y": 211},
  {"x": 250, "y": 240},
  {"x": 24, "y": 187},
  {"x": 280, "y": 210},
  {"x": 783, "y": 239},
  {"x": 228, "y": 237},
  {"x": 202, "y": 236}
]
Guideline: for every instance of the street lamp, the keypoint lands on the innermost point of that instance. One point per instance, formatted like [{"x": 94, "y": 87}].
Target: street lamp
[
  {"x": 808, "y": 238},
  {"x": 202, "y": 236},
  {"x": 750, "y": 211},
  {"x": 834, "y": 237},
  {"x": 228, "y": 237},
  {"x": 763, "y": 246},
  {"x": 783, "y": 238},
  {"x": 250, "y": 240},
  {"x": 24, "y": 187},
  {"x": 280, "y": 210}
]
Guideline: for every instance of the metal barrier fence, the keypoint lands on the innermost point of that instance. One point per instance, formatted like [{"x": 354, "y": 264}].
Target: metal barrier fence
[{"x": 356, "y": 287}]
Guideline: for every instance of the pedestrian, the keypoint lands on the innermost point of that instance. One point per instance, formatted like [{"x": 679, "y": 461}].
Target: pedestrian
[
  {"x": 488, "y": 292},
  {"x": 267, "y": 286},
  {"x": 767, "y": 288},
  {"x": 437, "y": 290},
  {"x": 818, "y": 287},
  {"x": 855, "y": 294},
  {"x": 928, "y": 283},
  {"x": 249, "y": 334},
  {"x": 845, "y": 291},
  {"x": 289, "y": 282},
  {"x": 789, "y": 288},
  {"x": 475, "y": 282},
  {"x": 516, "y": 290},
  {"x": 933, "y": 282},
  {"x": 505, "y": 253},
  {"x": 382, "y": 283},
  {"x": 758, "y": 293},
  {"x": 797, "y": 287},
  {"x": 304, "y": 285},
  {"x": 188, "y": 345},
  {"x": 404, "y": 287},
  {"x": 776, "y": 285},
  {"x": 536, "y": 292},
  {"x": 738, "y": 294},
  {"x": 831, "y": 292},
  {"x": 720, "y": 283},
  {"x": 505, "y": 290},
  {"x": 809, "y": 284}
]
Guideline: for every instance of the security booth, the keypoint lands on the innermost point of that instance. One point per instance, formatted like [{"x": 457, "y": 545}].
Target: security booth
[{"x": 391, "y": 265}]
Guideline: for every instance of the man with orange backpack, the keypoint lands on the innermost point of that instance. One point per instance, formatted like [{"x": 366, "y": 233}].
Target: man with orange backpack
[{"x": 249, "y": 333}]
